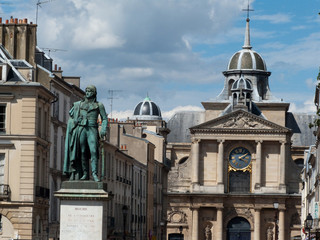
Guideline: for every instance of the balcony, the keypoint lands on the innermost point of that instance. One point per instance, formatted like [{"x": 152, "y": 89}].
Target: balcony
[
  {"x": 42, "y": 192},
  {"x": 4, "y": 191}
]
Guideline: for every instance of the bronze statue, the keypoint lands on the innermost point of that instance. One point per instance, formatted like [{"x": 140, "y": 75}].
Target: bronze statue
[{"x": 82, "y": 137}]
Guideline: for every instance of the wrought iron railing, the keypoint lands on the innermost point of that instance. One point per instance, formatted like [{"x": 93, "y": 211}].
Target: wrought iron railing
[{"x": 4, "y": 191}]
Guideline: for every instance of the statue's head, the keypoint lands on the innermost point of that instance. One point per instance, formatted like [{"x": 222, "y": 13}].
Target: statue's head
[{"x": 91, "y": 91}]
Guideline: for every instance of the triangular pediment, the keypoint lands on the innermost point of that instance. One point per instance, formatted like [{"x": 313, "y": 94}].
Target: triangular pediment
[{"x": 239, "y": 120}]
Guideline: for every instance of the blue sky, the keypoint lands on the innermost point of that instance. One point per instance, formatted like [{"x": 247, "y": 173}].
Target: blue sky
[{"x": 175, "y": 50}]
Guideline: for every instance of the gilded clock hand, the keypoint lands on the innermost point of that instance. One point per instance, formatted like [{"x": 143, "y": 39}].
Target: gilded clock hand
[{"x": 243, "y": 156}]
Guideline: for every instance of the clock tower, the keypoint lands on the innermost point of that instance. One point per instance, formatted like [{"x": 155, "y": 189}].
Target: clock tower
[{"x": 236, "y": 178}]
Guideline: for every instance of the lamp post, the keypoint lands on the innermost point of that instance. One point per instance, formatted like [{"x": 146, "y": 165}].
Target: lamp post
[
  {"x": 125, "y": 213},
  {"x": 308, "y": 224},
  {"x": 180, "y": 229},
  {"x": 276, "y": 207}
]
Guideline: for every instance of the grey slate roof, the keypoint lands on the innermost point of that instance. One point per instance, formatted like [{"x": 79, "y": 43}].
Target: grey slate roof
[{"x": 180, "y": 123}]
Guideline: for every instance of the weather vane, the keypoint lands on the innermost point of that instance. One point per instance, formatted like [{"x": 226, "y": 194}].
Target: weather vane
[{"x": 248, "y": 10}]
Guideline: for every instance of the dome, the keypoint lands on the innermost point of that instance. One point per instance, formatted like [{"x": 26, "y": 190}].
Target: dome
[
  {"x": 247, "y": 59},
  {"x": 147, "y": 110},
  {"x": 241, "y": 83}
]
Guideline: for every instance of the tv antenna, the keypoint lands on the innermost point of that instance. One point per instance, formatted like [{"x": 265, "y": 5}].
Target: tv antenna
[
  {"x": 49, "y": 50},
  {"x": 39, "y": 5},
  {"x": 111, "y": 97}
]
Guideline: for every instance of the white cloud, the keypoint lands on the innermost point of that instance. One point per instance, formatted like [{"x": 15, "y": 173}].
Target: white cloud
[
  {"x": 304, "y": 53},
  {"x": 186, "y": 42},
  {"x": 121, "y": 115},
  {"x": 149, "y": 46},
  {"x": 299, "y": 27},
  {"x": 275, "y": 18},
  {"x": 311, "y": 83},
  {"x": 168, "y": 114},
  {"x": 136, "y": 72},
  {"x": 307, "y": 107}
]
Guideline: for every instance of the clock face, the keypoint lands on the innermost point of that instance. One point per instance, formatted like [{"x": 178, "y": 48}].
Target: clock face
[{"x": 240, "y": 158}]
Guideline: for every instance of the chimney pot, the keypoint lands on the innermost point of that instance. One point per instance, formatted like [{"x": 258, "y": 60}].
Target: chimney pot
[
  {"x": 7, "y": 21},
  {"x": 11, "y": 20},
  {"x": 55, "y": 67},
  {"x": 16, "y": 20},
  {"x": 25, "y": 20},
  {"x": 0, "y": 19},
  {"x": 59, "y": 68},
  {"x": 31, "y": 22},
  {"x": 20, "y": 21}
]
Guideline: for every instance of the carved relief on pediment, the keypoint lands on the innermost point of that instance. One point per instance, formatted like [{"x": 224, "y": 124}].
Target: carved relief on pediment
[
  {"x": 245, "y": 212},
  {"x": 177, "y": 217},
  {"x": 242, "y": 121}
]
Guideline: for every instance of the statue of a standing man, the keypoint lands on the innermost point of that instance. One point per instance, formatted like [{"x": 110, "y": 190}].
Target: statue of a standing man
[{"x": 82, "y": 137}]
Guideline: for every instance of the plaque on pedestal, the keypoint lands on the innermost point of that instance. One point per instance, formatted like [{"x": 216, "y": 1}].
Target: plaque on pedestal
[{"x": 83, "y": 212}]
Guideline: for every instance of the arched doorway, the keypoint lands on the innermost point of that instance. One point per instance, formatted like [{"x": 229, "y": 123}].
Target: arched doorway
[
  {"x": 238, "y": 229},
  {"x": 6, "y": 229}
]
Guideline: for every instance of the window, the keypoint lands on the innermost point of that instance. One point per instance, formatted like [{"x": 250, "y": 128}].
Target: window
[
  {"x": 55, "y": 147},
  {"x": 62, "y": 152},
  {"x": 65, "y": 113},
  {"x": 56, "y": 107},
  {"x": 39, "y": 121},
  {"x": 2, "y": 173},
  {"x": 45, "y": 126},
  {"x": 239, "y": 181},
  {"x": 2, "y": 118}
]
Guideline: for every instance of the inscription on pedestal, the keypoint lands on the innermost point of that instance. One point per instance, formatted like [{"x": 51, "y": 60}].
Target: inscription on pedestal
[{"x": 81, "y": 220}]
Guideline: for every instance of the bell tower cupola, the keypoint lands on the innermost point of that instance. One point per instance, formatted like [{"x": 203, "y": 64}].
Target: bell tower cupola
[{"x": 251, "y": 66}]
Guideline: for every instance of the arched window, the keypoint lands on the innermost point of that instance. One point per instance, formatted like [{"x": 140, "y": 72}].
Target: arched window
[
  {"x": 231, "y": 81},
  {"x": 238, "y": 228},
  {"x": 299, "y": 162}
]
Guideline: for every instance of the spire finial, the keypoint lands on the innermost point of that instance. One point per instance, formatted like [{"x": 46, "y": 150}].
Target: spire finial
[
  {"x": 147, "y": 97},
  {"x": 247, "y": 33}
]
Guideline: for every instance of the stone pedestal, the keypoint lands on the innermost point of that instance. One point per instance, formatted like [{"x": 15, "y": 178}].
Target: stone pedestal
[{"x": 83, "y": 211}]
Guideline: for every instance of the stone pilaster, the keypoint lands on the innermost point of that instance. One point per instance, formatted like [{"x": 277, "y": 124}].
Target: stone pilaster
[
  {"x": 258, "y": 165},
  {"x": 257, "y": 224},
  {"x": 195, "y": 223},
  {"x": 281, "y": 224},
  {"x": 195, "y": 161},
  {"x": 282, "y": 164},
  {"x": 220, "y": 162},
  {"x": 219, "y": 232}
]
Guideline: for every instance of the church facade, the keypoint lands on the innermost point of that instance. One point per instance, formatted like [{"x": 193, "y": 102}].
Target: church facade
[{"x": 235, "y": 177}]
